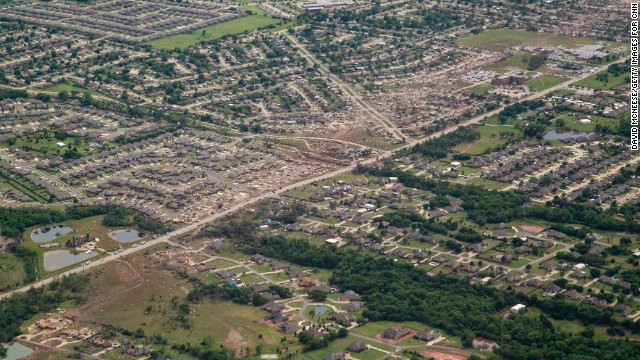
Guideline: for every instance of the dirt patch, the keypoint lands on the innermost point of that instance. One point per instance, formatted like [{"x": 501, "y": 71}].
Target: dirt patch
[
  {"x": 235, "y": 340},
  {"x": 534, "y": 229},
  {"x": 442, "y": 356}
]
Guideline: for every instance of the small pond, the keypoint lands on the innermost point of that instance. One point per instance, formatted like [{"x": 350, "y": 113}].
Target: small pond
[
  {"x": 126, "y": 235},
  {"x": 17, "y": 351},
  {"x": 320, "y": 310},
  {"x": 46, "y": 234},
  {"x": 554, "y": 135},
  {"x": 58, "y": 259}
]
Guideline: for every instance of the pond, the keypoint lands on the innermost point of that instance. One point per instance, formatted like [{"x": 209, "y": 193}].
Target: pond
[
  {"x": 320, "y": 310},
  {"x": 58, "y": 259},
  {"x": 554, "y": 135},
  {"x": 45, "y": 234},
  {"x": 17, "y": 351},
  {"x": 126, "y": 235}
]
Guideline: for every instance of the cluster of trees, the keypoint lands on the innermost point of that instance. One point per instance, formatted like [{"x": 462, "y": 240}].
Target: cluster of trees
[
  {"x": 240, "y": 295},
  {"x": 536, "y": 61},
  {"x": 12, "y": 94},
  {"x": 399, "y": 292},
  {"x": 311, "y": 343},
  {"x": 490, "y": 206},
  {"x": 438, "y": 148},
  {"x": 512, "y": 111},
  {"x": 23, "y": 306},
  {"x": 120, "y": 216},
  {"x": 14, "y": 221},
  {"x": 205, "y": 352}
]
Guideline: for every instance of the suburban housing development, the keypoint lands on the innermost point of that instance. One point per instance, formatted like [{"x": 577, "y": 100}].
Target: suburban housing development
[{"x": 317, "y": 180}]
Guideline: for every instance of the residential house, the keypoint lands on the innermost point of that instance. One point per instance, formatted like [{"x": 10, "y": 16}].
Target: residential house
[
  {"x": 273, "y": 307},
  {"x": 574, "y": 295},
  {"x": 288, "y": 328},
  {"x": 353, "y": 306},
  {"x": 279, "y": 266},
  {"x": 343, "y": 319},
  {"x": 350, "y": 295},
  {"x": 551, "y": 289},
  {"x": 335, "y": 356},
  {"x": 357, "y": 346},
  {"x": 396, "y": 333},
  {"x": 426, "y": 336},
  {"x": 259, "y": 259}
]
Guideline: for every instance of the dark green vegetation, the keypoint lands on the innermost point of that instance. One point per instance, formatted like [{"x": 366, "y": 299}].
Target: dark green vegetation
[
  {"x": 14, "y": 221},
  {"x": 401, "y": 292},
  {"x": 23, "y": 306},
  {"x": 12, "y": 94},
  {"x": 490, "y": 206}
]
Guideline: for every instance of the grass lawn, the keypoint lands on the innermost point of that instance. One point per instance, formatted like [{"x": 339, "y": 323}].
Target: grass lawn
[
  {"x": 248, "y": 23},
  {"x": 11, "y": 270},
  {"x": 46, "y": 143},
  {"x": 504, "y": 38},
  {"x": 544, "y": 82},
  {"x": 520, "y": 61},
  {"x": 489, "y": 184},
  {"x": 69, "y": 87},
  {"x": 340, "y": 345},
  {"x": 490, "y": 138},
  {"x": 593, "y": 83},
  {"x": 91, "y": 225},
  {"x": 482, "y": 89},
  {"x": 136, "y": 293},
  {"x": 570, "y": 122}
]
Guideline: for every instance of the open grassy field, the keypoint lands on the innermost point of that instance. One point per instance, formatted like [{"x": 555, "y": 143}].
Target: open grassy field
[
  {"x": 11, "y": 270},
  {"x": 137, "y": 294},
  {"x": 480, "y": 89},
  {"x": 593, "y": 83},
  {"x": 258, "y": 19},
  {"x": 544, "y": 82},
  {"x": 46, "y": 143},
  {"x": 504, "y": 38},
  {"x": 91, "y": 225},
  {"x": 490, "y": 138},
  {"x": 69, "y": 87},
  {"x": 570, "y": 122}
]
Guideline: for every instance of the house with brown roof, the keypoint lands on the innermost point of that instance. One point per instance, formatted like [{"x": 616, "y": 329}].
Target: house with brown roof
[
  {"x": 426, "y": 336},
  {"x": 396, "y": 333}
]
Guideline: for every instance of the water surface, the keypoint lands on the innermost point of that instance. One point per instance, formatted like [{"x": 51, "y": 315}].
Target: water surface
[
  {"x": 17, "y": 351},
  {"x": 58, "y": 259},
  {"x": 46, "y": 234},
  {"x": 554, "y": 135},
  {"x": 126, "y": 236}
]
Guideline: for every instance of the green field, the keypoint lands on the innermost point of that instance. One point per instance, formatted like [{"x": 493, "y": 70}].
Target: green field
[
  {"x": 482, "y": 89},
  {"x": 490, "y": 138},
  {"x": 248, "y": 23},
  {"x": 544, "y": 82},
  {"x": 570, "y": 122},
  {"x": 11, "y": 270},
  {"x": 23, "y": 185},
  {"x": 504, "y": 38},
  {"x": 69, "y": 87},
  {"x": 46, "y": 143},
  {"x": 593, "y": 83}
]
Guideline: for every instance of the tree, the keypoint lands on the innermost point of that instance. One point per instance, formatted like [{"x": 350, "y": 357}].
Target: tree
[{"x": 317, "y": 295}]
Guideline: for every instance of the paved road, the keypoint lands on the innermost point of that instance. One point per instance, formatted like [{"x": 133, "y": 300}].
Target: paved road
[{"x": 166, "y": 238}]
